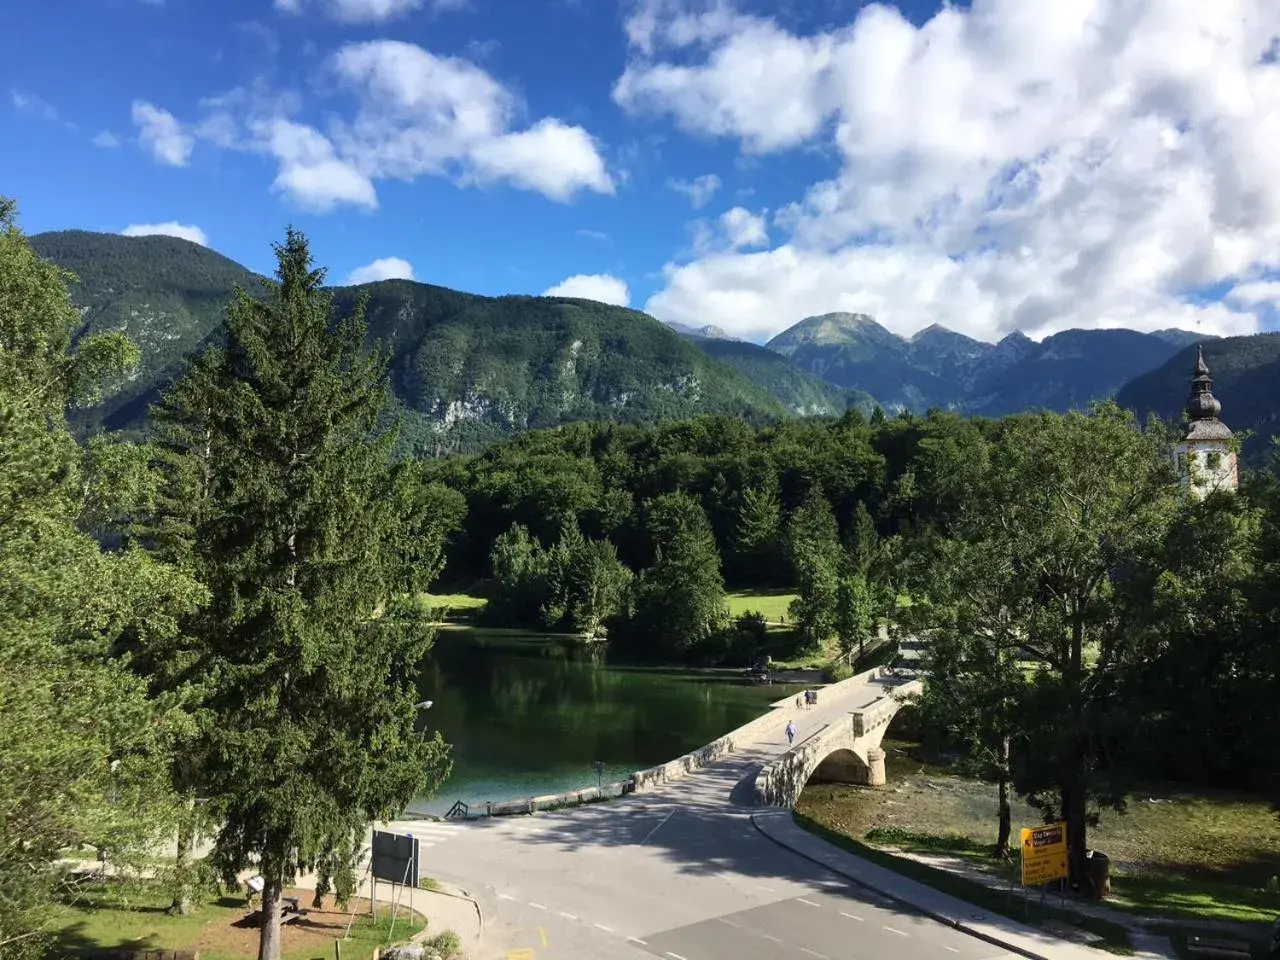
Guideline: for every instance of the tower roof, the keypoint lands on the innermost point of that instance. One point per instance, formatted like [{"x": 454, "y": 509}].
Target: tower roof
[{"x": 1202, "y": 406}]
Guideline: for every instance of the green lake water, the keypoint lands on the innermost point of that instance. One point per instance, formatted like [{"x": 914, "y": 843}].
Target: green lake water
[{"x": 526, "y": 715}]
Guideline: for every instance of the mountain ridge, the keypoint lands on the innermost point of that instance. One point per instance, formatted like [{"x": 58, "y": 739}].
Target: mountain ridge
[{"x": 465, "y": 369}]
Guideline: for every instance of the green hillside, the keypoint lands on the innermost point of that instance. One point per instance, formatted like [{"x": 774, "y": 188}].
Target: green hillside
[
  {"x": 1245, "y": 371},
  {"x": 466, "y": 369},
  {"x": 801, "y": 393}
]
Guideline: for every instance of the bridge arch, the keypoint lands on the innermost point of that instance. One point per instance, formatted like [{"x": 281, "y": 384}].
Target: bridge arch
[{"x": 844, "y": 751}]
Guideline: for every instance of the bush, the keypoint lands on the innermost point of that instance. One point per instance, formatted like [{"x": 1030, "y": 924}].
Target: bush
[
  {"x": 837, "y": 671},
  {"x": 446, "y": 944}
]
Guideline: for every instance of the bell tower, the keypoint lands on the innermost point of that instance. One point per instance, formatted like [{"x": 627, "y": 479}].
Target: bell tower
[{"x": 1205, "y": 456}]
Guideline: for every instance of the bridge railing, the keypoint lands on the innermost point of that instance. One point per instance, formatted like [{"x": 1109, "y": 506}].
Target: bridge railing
[
  {"x": 665, "y": 773},
  {"x": 776, "y": 718}
]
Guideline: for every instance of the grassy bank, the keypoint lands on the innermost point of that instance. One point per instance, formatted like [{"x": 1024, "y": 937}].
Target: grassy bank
[
  {"x": 1103, "y": 934},
  {"x": 131, "y": 915},
  {"x": 1175, "y": 854}
]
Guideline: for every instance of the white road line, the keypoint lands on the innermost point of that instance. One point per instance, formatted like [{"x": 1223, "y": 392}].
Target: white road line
[
  {"x": 770, "y": 936},
  {"x": 763, "y": 887},
  {"x": 536, "y": 906},
  {"x": 810, "y": 903},
  {"x": 568, "y": 916},
  {"x": 729, "y": 922},
  {"x": 601, "y": 926},
  {"x": 637, "y": 940},
  {"x": 853, "y": 917},
  {"x": 656, "y": 829},
  {"x": 952, "y": 949},
  {"x": 503, "y": 896},
  {"x": 898, "y": 932},
  {"x": 676, "y": 955},
  {"x": 814, "y": 953}
]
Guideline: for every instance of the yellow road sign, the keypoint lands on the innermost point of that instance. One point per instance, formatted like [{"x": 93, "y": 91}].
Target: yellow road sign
[{"x": 1044, "y": 854}]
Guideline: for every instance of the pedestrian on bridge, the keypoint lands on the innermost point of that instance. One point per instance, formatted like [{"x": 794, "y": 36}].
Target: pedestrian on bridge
[{"x": 791, "y": 733}]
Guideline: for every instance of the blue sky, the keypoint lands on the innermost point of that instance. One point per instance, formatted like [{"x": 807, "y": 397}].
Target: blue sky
[{"x": 955, "y": 166}]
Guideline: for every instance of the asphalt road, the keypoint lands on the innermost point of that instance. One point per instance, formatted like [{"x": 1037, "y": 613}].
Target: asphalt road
[{"x": 679, "y": 873}]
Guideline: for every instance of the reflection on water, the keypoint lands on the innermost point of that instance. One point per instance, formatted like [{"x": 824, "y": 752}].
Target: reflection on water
[{"x": 527, "y": 715}]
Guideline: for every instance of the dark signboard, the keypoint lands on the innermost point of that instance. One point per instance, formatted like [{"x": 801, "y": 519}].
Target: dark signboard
[{"x": 395, "y": 857}]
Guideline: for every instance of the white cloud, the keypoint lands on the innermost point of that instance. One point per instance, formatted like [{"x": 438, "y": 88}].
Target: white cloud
[
  {"x": 425, "y": 114},
  {"x": 30, "y": 103},
  {"x": 183, "y": 231},
  {"x": 161, "y": 133},
  {"x": 742, "y": 228},
  {"x": 384, "y": 268},
  {"x": 106, "y": 139},
  {"x": 592, "y": 286},
  {"x": 699, "y": 190},
  {"x": 371, "y": 11},
  {"x": 311, "y": 173},
  {"x": 1003, "y": 166}
]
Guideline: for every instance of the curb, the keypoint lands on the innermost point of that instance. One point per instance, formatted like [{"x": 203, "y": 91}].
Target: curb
[{"x": 931, "y": 914}]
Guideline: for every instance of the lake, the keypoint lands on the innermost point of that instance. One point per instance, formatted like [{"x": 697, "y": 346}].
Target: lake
[{"x": 528, "y": 715}]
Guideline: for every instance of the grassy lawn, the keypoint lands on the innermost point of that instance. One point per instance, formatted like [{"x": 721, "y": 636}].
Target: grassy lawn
[
  {"x": 1112, "y": 937},
  {"x": 455, "y": 606},
  {"x": 771, "y": 604},
  {"x": 1174, "y": 854},
  {"x": 118, "y": 916}
]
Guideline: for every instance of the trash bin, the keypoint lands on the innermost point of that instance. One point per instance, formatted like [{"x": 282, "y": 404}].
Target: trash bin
[{"x": 1097, "y": 867}]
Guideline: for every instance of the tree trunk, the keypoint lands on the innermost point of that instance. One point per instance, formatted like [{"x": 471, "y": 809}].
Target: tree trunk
[
  {"x": 1001, "y": 851},
  {"x": 1074, "y": 799},
  {"x": 182, "y": 864},
  {"x": 269, "y": 935}
]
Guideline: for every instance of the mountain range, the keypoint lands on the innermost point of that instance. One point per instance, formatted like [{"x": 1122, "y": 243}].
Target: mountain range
[{"x": 467, "y": 369}]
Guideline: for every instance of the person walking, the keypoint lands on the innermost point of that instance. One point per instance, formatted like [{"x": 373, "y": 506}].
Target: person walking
[{"x": 791, "y": 733}]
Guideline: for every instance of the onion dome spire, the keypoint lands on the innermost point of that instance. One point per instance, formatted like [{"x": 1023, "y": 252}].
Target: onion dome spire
[{"x": 1202, "y": 404}]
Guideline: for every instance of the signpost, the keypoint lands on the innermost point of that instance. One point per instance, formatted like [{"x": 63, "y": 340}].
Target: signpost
[
  {"x": 599, "y": 774},
  {"x": 1044, "y": 854}
]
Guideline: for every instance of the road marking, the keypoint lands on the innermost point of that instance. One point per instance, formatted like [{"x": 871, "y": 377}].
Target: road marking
[
  {"x": 638, "y": 940},
  {"x": 770, "y": 936},
  {"x": 810, "y": 903},
  {"x": 729, "y": 922},
  {"x": 503, "y": 896},
  {"x": 568, "y": 916},
  {"x": 536, "y": 906},
  {"x": 763, "y": 887},
  {"x": 815, "y": 953},
  {"x": 898, "y": 932},
  {"x": 543, "y": 934},
  {"x": 657, "y": 828},
  {"x": 601, "y": 926},
  {"x": 676, "y": 955},
  {"x": 850, "y": 916},
  {"x": 520, "y": 955},
  {"x": 952, "y": 949}
]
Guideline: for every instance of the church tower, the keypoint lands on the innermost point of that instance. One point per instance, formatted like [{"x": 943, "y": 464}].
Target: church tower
[{"x": 1205, "y": 458}]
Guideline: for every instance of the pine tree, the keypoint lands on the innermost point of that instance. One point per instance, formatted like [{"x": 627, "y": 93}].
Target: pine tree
[
  {"x": 813, "y": 538},
  {"x": 306, "y": 543},
  {"x": 83, "y": 756}
]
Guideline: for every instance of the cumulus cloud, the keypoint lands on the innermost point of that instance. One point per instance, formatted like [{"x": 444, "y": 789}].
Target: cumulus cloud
[
  {"x": 699, "y": 190},
  {"x": 425, "y": 114},
  {"x": 384, "y": 268},
  {"x": 161, "y": 133},
  {"x": 592, "y": 286},
  {"x": 311, "y": 173},
  {"x": 369, "y": 11},
  {"x": 416, "y": 114},
  {"x": 183, "y": 231},
  {"x": 1001, "y": 166}
]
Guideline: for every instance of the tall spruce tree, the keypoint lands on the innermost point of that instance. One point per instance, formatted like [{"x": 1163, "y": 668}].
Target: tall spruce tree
[
  {"x": 83, "y": 756},
  {"x": 308, "y": 538}
]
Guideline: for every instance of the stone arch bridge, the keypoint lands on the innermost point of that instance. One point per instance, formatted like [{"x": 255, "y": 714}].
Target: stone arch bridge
[{"x": 844, "y": 750}]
